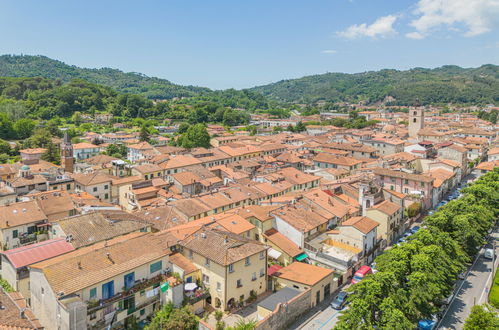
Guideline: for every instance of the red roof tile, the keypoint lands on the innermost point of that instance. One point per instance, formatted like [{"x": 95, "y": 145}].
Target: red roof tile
[{"x": 30, "y": 254}]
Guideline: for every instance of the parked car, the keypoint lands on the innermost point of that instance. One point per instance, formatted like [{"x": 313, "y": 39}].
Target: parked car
[
  {"x": 340, "y": 301},
  {"x": 415, "y": 229},
  {"x": 361, "y": 273},
  {"x": 428, "y": 324},
  {"x": 431, "y": 212},
  {"x": 488, "y": 254},
  {"x": 462, "y": 275}
]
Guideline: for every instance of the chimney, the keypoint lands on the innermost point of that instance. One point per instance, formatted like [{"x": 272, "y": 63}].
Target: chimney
[{"x": 109, "y": 257}]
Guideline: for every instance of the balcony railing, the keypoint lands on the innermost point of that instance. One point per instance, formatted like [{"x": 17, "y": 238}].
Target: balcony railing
[
  {"x": 198, "y": 295},
  {"x": 95, "y": 305}
]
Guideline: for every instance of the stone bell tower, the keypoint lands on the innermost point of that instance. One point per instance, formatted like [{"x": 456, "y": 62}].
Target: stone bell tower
[
  {"x": 416, "y": 120},
  {"x": 67, "y": 159}
]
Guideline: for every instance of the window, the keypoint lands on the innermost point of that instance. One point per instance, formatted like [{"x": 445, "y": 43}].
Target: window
[
  {"x": 106, "y": 196},
  {"x": 239, "y": 283},
  {"x": 231, "y": 268},
  {"x": 156, "y": 266},
  {"x": 129, "y": 280},
  {"x": 106, "y": 187},
  {"x": 247, "y": 261},
  {"x": 142, "y": 311},
  {"x": 406, "y": 190},
  {"x": 15, "y": 233},
  {"x": 262, "y": 272},
  {"x": 422, "y": 184},
  {"x": 219, "y": 287},
  {"x": 146, "y": 177},
  {"x": 391, "y": 187},
  {"x": 95, "y": 189},
  {"x": 93, "y": 293},
  {"x": 253, "y": 276},
  {"x": 93, "y": 316},
  {"x": 206, "y": 279},
  {"x": 207, "y": 262},
  {"x": 406, "y": 181},
  {"x": 190, "y": 254},
  {"x": 262, "y": 255},
  {"x": 68, "y": 187}
]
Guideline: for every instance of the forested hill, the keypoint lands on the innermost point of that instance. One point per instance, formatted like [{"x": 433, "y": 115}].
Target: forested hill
[
  {"x": 135, "y": 83},
  {"x": 441, "y": 85}
]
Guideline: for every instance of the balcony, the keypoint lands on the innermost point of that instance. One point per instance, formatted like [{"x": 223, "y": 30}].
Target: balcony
[
  {"x": 198, "y": 295},
  {"x": 95, "y": 305}
]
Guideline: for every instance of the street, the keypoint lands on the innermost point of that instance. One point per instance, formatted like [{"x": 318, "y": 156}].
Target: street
[
  {"x": 472, "y": 290},
  {"x": 322, "y": 316}
]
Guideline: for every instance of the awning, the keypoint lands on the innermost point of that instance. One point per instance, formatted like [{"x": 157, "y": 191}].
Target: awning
[
  {"x": 190, "y": 286},
  {"x": 301, "y": 257},
  {"x": 274, "y": 254}
]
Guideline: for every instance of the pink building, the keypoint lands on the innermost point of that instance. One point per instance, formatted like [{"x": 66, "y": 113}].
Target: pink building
[{"x": 407, "y": 183}]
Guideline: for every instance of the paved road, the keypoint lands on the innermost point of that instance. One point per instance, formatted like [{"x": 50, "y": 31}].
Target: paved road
[{"x": 472, "y": 290}]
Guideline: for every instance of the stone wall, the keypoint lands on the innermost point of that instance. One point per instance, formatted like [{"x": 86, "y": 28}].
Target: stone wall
[{"x": 285, "y": 314}]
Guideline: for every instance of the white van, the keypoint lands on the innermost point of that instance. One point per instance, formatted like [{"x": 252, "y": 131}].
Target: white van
[{"x": 488, "y": 254}]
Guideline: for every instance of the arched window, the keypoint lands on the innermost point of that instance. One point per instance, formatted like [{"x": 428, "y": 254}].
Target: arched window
[{"x": 414, "y": 120}]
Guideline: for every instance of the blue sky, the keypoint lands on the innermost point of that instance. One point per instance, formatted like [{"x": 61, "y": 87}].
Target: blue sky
[{"x": 223, "y": 44}]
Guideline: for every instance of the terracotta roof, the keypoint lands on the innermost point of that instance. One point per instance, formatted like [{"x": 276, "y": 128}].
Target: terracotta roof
[
  {"x": 403, "y": 175},
  {"x": 147, "y": 168},
  {"x": 141, "y": 146},
  {"x": 303, "y": 273},
  {"x": 363, "y": 224},
  {"x": 100, "y": 160},
  {"x": 90, "y": 228},
  {"x": 33, "y": 151},
  {"x": 342, "y": 161},
  {"x": 88, "y": 266},
  {"x": 488, "y": 166},
  {"x": 91, "y": 179},
  {"x": 84, "y": 145},
  {"x": 387, "y": 207},
  {"x": 283, "y": 243},
  {"x": 53, "y": 202},
  {"x": 182, "y": 262},
  {"x": 10, "y": 315},
  {"x": 21, "y": 213},
  {"x": 223, "y": 248},
  {"x": 30, "y": 254}
]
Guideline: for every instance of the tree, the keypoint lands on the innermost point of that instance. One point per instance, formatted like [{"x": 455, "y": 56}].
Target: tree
[
  {"x": 195, "y": 136},
  {"x": 52, "y": 154},
  {"x": 243, "y": 324},
  {"x": 117, "y": 150},
  {"x": 482, "y": 317},
  {"x": 277, "y": 129},
  {"x": 4, "y": 147},
  {"x": 6, "y": 129},
  {"x": 300, "y": 127},
  {"x": 24, "y": 128},
  {"x": 290, "y": 128},
  {"x": 182, "y": 128},
  {"x": 144, "y": 134},
  {"x": 169, "y": 317}
]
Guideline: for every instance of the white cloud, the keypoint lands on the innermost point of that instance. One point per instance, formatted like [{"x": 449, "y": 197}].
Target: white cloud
[
  {"x": 329, "y": 51},
  {"x": 382, "y": 27},
  {"x": 477, "y": 16}
]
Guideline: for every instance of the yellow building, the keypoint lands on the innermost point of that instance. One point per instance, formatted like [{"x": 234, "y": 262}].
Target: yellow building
[
  {"x": 389, "y": 216},
  {"x": 233, "y": 268},
  {"x": 302, "y": 276}
]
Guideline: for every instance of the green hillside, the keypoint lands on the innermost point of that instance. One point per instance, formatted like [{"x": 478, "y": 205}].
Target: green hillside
[
  {"x": 447, "y": 84},
  {"x": 135, "y": 83}
]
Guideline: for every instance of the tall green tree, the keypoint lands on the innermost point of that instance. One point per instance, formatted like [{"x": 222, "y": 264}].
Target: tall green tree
[
  {"x": 144, "y": 134},
  {"x": 195, "y": 136},
  {"x": 482, "y": 318},
  {"x": 24, "y": 128}
]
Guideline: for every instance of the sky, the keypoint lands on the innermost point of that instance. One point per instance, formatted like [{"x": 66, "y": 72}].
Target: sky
[{"x": 240, "y": 44}]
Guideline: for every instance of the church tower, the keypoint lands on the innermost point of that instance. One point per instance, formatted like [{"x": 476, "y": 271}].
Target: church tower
[
  {"x": 416, "y": 121},
  {"x": 67, "y": 160}
]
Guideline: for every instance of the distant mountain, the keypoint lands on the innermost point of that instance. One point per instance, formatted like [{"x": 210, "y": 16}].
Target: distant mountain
[
  {"x": 136, "y": 83},
  {"x": 447, "y": 84}
]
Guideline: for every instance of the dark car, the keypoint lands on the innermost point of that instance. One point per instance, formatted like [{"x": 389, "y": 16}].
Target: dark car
[
  {"x": 415, "y": 229},
  {"x": 340, "y": 300}
]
